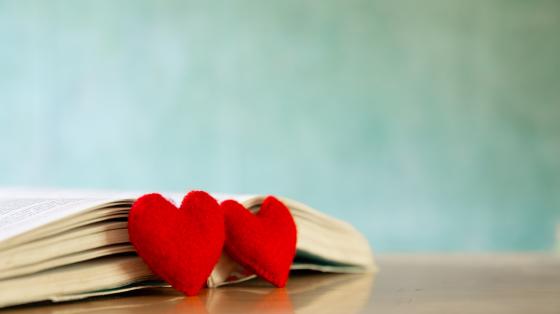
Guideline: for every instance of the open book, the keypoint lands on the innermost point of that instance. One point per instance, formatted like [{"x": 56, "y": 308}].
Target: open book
[{"x": 67, "y": 245}]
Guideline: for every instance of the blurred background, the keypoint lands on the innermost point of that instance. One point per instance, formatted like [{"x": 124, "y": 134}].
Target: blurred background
[{"x": 430, "y": 125}]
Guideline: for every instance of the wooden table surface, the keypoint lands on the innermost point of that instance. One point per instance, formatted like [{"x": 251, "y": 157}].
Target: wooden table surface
[{"x": 405, "y": 284}]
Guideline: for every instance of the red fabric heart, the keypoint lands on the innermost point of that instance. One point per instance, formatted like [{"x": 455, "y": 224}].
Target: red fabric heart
[
  {"x": 264, "y": 242},
  {"x": 181, "y": 245}
]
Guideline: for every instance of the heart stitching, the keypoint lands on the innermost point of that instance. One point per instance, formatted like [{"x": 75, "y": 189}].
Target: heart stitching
[
  {"x": 264, "y": 242},
  {"x": 180, "y": 245}
]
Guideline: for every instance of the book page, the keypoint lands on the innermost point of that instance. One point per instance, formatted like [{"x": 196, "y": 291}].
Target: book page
[
  {"x": 20, "y": 215},
  {"x": 24, "y": 210}
]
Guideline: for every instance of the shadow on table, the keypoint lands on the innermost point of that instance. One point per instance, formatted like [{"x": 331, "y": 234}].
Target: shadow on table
[{"x": 305, "y": 293}]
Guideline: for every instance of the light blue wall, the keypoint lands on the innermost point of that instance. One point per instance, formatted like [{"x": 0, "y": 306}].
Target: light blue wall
[{"x": 430, "y": 125}]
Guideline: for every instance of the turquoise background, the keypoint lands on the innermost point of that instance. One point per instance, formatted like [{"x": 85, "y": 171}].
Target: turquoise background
[{"x": 430, "y": 125}]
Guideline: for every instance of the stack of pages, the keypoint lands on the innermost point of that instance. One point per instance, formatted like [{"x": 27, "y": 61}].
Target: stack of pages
[{"x": 67, "y": 245}]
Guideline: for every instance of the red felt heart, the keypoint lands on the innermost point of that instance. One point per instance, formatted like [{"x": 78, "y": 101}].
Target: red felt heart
[
  {"x": 264, "y": 242},
  {"x": 181, "y": 245}
]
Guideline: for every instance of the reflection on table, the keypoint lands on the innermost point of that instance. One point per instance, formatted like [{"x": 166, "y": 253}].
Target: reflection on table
[{"x": 306, "y": 292}]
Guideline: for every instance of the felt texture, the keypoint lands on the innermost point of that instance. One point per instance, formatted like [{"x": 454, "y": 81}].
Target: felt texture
[
  {"x": 264, "y": 242},
  {"x": 181, "y": 245}
]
